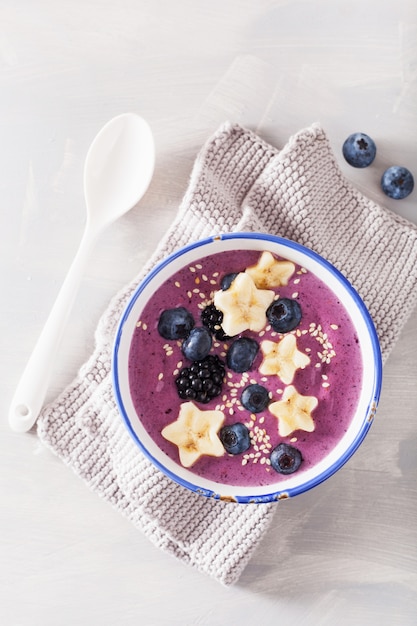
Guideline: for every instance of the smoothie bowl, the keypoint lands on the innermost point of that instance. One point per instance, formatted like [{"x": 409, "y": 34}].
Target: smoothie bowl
[{"x": 246, "y": 368}]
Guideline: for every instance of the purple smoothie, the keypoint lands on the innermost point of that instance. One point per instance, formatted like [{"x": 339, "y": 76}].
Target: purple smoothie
[{"x": 325, "y": 333}]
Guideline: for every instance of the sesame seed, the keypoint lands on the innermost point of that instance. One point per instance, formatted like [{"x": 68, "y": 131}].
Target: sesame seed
[
  {"x": 334, "y": 326},
  {"x": 160, "y": 376},
  {"x": 325, "y": 384},
  {"x": 177, "y": 283},
  {"x": 192, "y": 269},
  {"x": 295, "y": 294}
]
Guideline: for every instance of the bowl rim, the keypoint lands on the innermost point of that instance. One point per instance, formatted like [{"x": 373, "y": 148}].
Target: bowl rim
[{"x": 272, "y": 492}]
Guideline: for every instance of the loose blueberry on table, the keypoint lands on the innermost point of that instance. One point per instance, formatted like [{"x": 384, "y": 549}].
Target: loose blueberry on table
[
  {"x": 397, "y": 182},
  {"x": 359, "y": 150}
]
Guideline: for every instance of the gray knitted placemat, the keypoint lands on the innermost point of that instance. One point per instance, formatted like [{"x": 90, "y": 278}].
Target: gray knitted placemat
[{"x": 239, "y": 183}]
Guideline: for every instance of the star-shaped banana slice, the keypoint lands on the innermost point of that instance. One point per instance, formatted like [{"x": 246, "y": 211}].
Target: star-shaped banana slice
[
  {"x": 294, "y": 412},
  {"x": 243, "y": 305},
  {"x": 194, "y": 432},
  {"x": 282, "y": 358},
  {"x": 269, "y": 272}
]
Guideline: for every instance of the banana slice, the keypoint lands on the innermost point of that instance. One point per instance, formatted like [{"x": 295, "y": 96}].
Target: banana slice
[
  {"x": 269, "y": 272},
  {"x": 294, "y": 412},
  {"x": 195, "y": 433},
  {"x": 243, "y": 305},
  {"x": 282, "y": 358}
]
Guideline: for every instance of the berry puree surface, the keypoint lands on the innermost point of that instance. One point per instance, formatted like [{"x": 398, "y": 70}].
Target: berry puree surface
[{"x": 329, "y": 371}]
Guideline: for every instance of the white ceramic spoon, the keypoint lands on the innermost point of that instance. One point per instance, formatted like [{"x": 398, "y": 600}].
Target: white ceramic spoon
[{"x": 117, "y": 172}]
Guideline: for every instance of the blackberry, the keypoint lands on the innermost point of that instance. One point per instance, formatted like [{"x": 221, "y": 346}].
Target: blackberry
[
  {"x": 202, "y": 380},
  {"x": 212, "y": 319}
]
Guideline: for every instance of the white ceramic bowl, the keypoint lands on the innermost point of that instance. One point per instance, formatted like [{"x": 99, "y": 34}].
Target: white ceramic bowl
[{"x": 372, "y": 368}]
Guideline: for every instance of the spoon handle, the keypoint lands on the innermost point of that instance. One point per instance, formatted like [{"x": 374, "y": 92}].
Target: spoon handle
[{"x": 31, "y": 390}]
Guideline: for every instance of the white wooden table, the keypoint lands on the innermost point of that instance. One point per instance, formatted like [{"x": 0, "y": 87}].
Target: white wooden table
[{"x": 345, "y": 553}]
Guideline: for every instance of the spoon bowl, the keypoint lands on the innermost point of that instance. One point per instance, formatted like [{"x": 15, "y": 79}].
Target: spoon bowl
[{"x": 118, "y": 169}]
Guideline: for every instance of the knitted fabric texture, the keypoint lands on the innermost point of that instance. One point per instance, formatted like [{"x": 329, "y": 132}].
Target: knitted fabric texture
[{"x": 238, "y": 183}]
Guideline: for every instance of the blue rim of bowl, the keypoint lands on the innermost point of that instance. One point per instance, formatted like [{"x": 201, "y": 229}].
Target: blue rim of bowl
[{"x": 276, "y": 494}]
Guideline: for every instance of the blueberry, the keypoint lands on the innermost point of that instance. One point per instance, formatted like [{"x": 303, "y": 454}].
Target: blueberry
[
  {"x": 255, "y": 398},
  {"x": 286, "y": 459},
  {"x": 235, "y": 438},
  {"x": 198, "y": 344},
  {"x": 241, "y": 354},
  {"x": 227, "y": 280},
  {"x": 359, "y": 150},
  {"x": 175, "y": 323},
  {"x": 284, "y": 314},
  {"x": 397, "y": 182}
]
